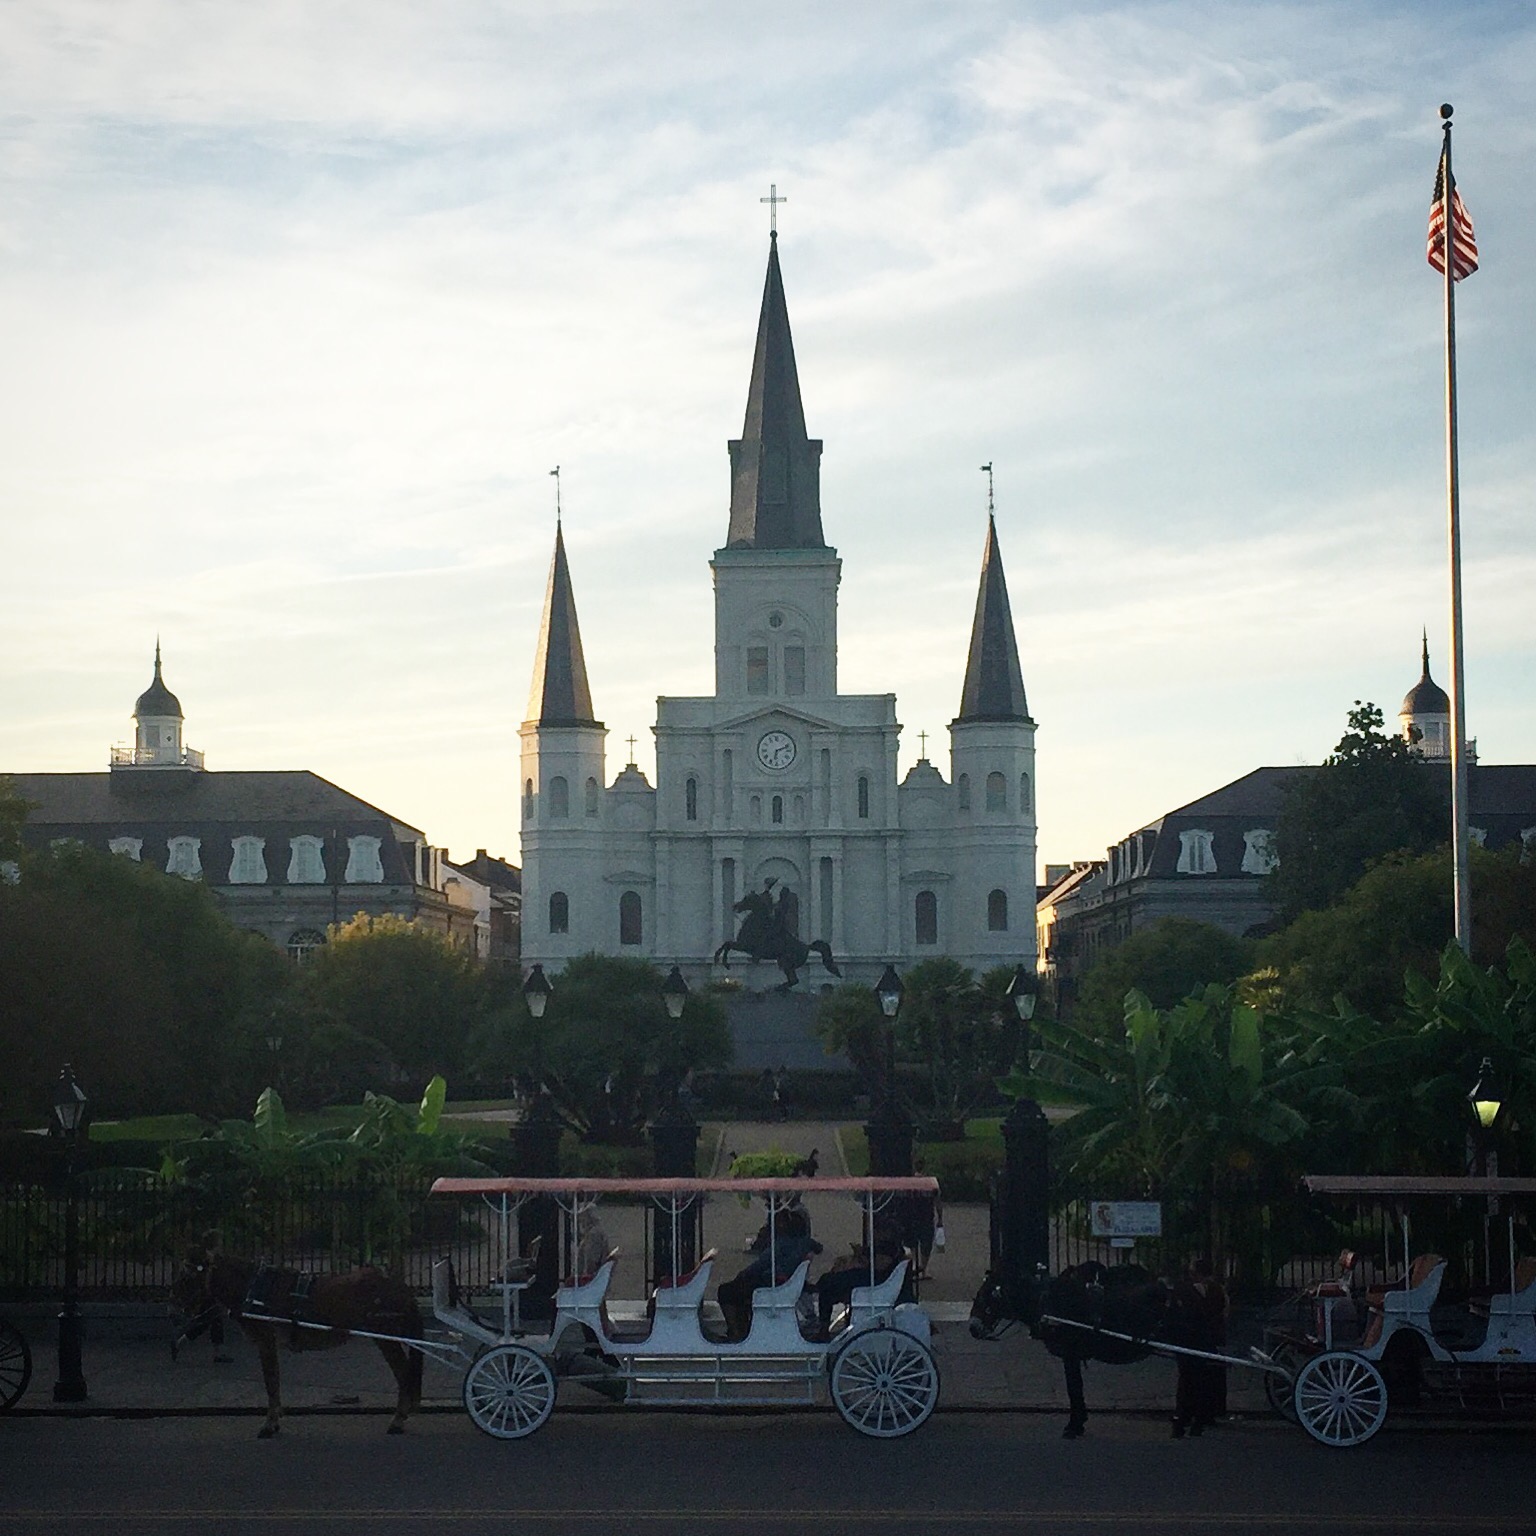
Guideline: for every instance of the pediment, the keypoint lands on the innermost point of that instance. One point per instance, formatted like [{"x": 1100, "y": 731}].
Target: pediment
[{"x": 776, "y": 709}]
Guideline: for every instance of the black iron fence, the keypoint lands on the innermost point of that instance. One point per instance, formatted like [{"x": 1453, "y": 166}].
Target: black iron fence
[{"x": 135, "y": 1228}]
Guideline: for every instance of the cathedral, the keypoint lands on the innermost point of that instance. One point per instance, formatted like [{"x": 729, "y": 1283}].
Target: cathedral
[{"x": 777, "y": 782}]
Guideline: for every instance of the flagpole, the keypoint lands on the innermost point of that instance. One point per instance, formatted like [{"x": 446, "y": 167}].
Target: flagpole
[{"x": 1461, "y": 881}]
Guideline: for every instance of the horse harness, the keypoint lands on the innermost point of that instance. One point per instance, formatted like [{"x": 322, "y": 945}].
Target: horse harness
[{"x": 282, "y": 1296}]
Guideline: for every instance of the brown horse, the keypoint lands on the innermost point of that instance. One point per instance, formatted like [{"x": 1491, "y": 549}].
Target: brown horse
[{"x": 362, "y": 1299}]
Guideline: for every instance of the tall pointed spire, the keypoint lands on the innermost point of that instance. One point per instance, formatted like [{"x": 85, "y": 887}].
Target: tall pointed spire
[
  {"x": 560, "y": 695},
  {"x": 775, "y": 467},
  {"x": 994, "y": 685}
]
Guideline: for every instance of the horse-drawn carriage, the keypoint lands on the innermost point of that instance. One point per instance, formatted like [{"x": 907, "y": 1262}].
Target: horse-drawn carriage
[
  {"x": 669, "y": 1347},
  {"x": 1340, "y": 1353},
  {"x": 875, "y": 1362}
]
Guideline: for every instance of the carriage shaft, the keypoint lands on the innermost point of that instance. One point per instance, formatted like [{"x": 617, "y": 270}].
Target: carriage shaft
[{"x": 1252, "y": 1363}]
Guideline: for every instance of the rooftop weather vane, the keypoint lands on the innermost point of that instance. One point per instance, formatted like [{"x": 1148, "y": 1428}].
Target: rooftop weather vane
[
  {"x": 986, "y": 469},
  {"x": 773, "y": 200},
  {"x": 556, "y": 473}
]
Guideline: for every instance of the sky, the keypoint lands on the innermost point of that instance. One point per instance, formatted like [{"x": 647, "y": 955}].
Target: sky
[{"x": 301, "y": 302}]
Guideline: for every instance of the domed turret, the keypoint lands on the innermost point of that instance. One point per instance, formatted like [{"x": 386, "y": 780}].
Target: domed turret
[
  {"x": 157, "y": 700},
  {"x": 157, "y": 730},
  {"x": 1425, "y": 717}
]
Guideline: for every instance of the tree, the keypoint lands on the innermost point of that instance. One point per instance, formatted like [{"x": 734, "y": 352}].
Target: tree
[
  {"x": 1372, "y": 796},
  {"x": 1166, "y": 961},
  {"x": 954, "y": 1035},
  {"x": 396, "y": 993},
  {"x": 608, "y": 1050},
  {"x": 1395, "y": 920},
  {"x": 13, "y": 816},
  {"x": 137, "y": 979}
]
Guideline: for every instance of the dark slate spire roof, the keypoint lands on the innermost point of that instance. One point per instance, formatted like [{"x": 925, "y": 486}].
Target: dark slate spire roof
[
  {"x": 157, "y": 699},
  {"x": 560, "y": 695},
  {"x": 994, "y": 685},
  {"x": 1426, "y": 697},
  {"x": 775, "y": 467}
]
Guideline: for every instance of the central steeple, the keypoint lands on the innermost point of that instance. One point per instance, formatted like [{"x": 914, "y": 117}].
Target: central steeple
[{"x": 775, "y": 467}]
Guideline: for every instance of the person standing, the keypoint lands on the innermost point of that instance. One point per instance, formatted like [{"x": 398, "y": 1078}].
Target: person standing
[{"x": 1198, "y": 1320}]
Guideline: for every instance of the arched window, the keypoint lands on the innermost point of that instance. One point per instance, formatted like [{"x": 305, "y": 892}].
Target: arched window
[
  {"x": 963, "y": 792},
  {"x": 863, "y": 797},
  {"x": 997, "y": 911},
  {"x": 997, "y": 792},
  {"x": 591, "y": 797},
  {"x": 303, "y": 942},
  {"x": 778, "y": 810},
  {"x": 559, "y": 912},
  {"x": 629, "y": 917},
  {"x": 1024, "y": 800},
  {"x": 926, "y": 913},
  {"x": 691, "y": 798},
  {"x": 559, "y": 793},
  {"x": 527, "y": 799}
]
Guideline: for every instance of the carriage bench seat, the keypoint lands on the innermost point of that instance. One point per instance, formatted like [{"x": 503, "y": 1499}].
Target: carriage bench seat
[
  {"x": 774, "y": 1324},
  {"x": 881, "y": 1297},
  {"x": 1408, "y": 1303},
  {"x": 448, "y": 1305},
  {"x": 688, "y": 1290}
]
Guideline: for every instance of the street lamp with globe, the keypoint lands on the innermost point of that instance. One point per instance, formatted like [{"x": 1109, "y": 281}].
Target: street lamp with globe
[{"x": 72, "y": 1118}]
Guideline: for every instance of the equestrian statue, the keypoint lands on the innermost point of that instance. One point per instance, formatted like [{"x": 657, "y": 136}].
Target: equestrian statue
[{"x": 768, "y": 933}]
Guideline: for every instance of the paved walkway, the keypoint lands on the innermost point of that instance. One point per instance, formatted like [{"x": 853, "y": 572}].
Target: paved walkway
[{"x": 128, "y": 1366}]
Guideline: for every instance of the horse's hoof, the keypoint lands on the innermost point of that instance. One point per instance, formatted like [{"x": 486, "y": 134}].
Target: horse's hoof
[
  {"x": 1073, "y": 1432},
  {"x": 396, "y": 1429}
]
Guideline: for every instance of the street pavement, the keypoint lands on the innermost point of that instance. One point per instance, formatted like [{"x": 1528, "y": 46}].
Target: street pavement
[
  {"x": 710, "y": 1475},
  {"x": 128, "y": 1365}
]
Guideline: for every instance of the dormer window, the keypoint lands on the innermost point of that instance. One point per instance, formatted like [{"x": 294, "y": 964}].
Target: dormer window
[
  {"x": 184, "y": 857},
  {"x": 1197, "y": 856},
  {"x": 126, "y": 847},
  {"x": 248, "y": 865},
  {"x": 363, "y": 864},
  {"x": 306, "y": 861},
  {"x": 1259, "y": 851}
]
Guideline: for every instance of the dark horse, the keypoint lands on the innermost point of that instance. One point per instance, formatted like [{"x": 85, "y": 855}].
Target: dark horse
[
  {"x": 765, "y": 935},
  {"x": 365, "y": 1299},
  {"x": 1125, "y": 1299}
]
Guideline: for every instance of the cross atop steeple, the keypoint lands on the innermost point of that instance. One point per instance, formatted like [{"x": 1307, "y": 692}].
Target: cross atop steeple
[
  {"x": 773, "y": 200},
  {"x": 922, "y": 746},
  {"x": 556, "y": 473},
  {"x": 986, "y": 469},
  {"x": 631, "y": 741}
]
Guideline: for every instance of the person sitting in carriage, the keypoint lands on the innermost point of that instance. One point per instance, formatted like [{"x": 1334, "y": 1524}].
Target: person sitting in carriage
[
  {"x": 836, "y": 1287},
  {"x": 781, "y": 1246}
]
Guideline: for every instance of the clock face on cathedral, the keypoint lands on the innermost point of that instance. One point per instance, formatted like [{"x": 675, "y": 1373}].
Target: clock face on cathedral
[{"x": 776, "y": 750}]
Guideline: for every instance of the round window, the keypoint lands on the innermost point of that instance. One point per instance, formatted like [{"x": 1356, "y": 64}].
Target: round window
[{"x": 775, "y": 620}]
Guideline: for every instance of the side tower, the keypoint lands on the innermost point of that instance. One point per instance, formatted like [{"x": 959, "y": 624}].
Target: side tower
[
  {"x": 992, "y": 752},
  {"x": 562, "y": 788}
]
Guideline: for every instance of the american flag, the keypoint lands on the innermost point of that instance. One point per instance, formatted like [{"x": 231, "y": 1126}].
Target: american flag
[{"x": 1464, "y": 252}]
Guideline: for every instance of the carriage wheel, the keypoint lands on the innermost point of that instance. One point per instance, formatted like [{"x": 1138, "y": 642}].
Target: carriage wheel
[
  {"x": 1341, "y": 1398},
  {"x": 509, "y": 1391},
  {"x": 15, "y": 1365},
  {"x": 1281, "y": 1390},
  {"x": 885, "y": 1383}
]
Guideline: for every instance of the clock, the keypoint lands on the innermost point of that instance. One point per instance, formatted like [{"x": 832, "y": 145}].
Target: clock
[{"x": 776, "y": 750}]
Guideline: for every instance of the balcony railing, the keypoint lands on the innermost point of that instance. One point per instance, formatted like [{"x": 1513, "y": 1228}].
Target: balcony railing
[{"x": 148, "y": 757}]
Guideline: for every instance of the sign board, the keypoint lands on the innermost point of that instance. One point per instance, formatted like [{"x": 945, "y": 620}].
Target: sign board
[{"x": 1127, "y": 1218}]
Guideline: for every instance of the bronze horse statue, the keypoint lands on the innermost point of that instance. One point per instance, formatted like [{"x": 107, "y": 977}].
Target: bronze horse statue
[
  {"x": 767, "y": 934},
  {"x": 1125, "y": 1299},
  {"x": 365, "y": 1299}
]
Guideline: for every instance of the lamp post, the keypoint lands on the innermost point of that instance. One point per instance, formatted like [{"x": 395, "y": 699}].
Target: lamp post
[
  {"x": 674, "y": 1151},
  {"x": 1487, "y": 1101},
  {"x": 889, "y": 1130},
  {"x": 536, "y": 1151},
  {"x": 72, "y": 1115},
  {"x": 1022, "y": 1219}
]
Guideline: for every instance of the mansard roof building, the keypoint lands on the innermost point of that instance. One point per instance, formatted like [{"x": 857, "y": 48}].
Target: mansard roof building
[
  {"x": 776, "y": 779},
  {"x": 287, "y": 853}
]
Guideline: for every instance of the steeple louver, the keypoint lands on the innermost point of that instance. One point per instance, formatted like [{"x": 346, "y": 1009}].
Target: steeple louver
[
  {"x": 775, "y": 467},
  {"x": 994, "y": 684},
  {"x": 560, "y": 695}
]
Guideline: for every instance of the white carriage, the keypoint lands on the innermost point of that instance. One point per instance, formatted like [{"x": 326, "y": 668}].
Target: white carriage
[
  {"x": 1481, "y": 1358},
  {"x": 876, "y": 1363}
]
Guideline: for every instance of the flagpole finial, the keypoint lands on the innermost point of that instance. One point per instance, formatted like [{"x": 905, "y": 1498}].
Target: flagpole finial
[{"x": 1445, "y": 111}]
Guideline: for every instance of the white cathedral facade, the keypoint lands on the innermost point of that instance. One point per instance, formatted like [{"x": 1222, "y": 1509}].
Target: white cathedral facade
[{"x": 776, "y": 776}]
